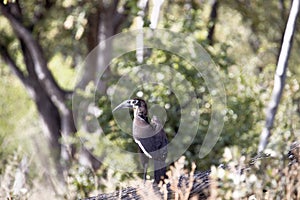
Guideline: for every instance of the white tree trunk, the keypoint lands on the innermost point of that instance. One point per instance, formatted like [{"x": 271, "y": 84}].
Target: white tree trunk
[{"x": 280, "y": 75}]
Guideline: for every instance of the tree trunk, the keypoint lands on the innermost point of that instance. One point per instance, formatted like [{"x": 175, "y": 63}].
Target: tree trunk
[
  {"x": 50, "y": 99},
  {"x": 102, "y": 24},
  {"x": 47, "y": 110},
  {"x": 51, "y": 123},
  {"x": 99, "y": 29}
]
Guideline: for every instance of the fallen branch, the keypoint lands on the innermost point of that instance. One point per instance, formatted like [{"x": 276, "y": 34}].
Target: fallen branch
[{"x": 201, "y": 186}]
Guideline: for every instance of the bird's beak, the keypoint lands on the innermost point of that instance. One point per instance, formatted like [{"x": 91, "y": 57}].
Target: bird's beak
[{"x": 124, "y": 104}]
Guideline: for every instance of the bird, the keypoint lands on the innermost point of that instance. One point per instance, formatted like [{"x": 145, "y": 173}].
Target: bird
[{"x": 149, "y": 136}]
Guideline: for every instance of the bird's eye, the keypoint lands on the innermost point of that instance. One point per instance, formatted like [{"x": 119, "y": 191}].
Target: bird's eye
[{"x": 134, "y": 101}]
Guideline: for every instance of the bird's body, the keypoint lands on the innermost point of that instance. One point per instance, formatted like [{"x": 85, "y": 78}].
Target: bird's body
[{"x": 150, "y": 137}]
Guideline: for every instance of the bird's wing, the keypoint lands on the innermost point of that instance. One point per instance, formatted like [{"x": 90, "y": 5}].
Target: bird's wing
[
  {"x": 156, "y": 124},
  {"x": 161, "y": 142},
  {"x": 160, "y": 139},
  {"x": 142, "y": 148}
]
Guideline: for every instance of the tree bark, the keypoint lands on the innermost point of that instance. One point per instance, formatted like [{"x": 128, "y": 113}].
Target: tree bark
[{"x": 280, "y": 75}]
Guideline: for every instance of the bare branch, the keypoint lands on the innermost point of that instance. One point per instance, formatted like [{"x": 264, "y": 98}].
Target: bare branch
[
  {"x": 282, "y": 8},
  {"x": 212, "y": 21},
  {"x": 155, "y": 13},
  {"x": 280, "y": 75}
]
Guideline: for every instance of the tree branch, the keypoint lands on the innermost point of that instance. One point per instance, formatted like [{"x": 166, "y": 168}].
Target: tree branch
[
  {"x": 280, "y": 75},
  {"x": 212, "y": 22},
  {"x": 282, "y": 8},
  {"x": 199, "y": 189},
  {"x": 40, "y": 65},
  {"x": 12, "y": 65},
  {"x": 16, "y": 70}
]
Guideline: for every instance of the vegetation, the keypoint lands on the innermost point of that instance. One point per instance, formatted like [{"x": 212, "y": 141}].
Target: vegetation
[{"x": 44, "y": 155}]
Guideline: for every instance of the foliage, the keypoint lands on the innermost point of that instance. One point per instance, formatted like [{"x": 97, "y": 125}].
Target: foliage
[
  {"x": 269, "y": 177},
  {"x": 12, "y": 176}
]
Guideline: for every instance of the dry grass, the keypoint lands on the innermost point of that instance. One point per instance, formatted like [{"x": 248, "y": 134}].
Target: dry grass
[{"x": 268, "y": 178}]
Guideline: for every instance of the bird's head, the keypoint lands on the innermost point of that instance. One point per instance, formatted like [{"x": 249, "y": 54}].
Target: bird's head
[{"x": 138, "y": 105}]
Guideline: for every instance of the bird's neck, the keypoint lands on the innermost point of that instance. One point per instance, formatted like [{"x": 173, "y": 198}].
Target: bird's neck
[
  {"x": 144, "y": 117},
  {"x": 141, "y": 115}
]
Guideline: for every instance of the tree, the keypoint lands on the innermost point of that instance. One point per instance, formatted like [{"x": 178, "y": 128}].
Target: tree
[
  {"x": 39, "y": 82},
  {"x": 50, "y": 98}
]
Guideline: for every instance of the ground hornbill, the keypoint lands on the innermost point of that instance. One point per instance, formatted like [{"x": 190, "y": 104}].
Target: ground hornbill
[{"x": 150, "y": 137}]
